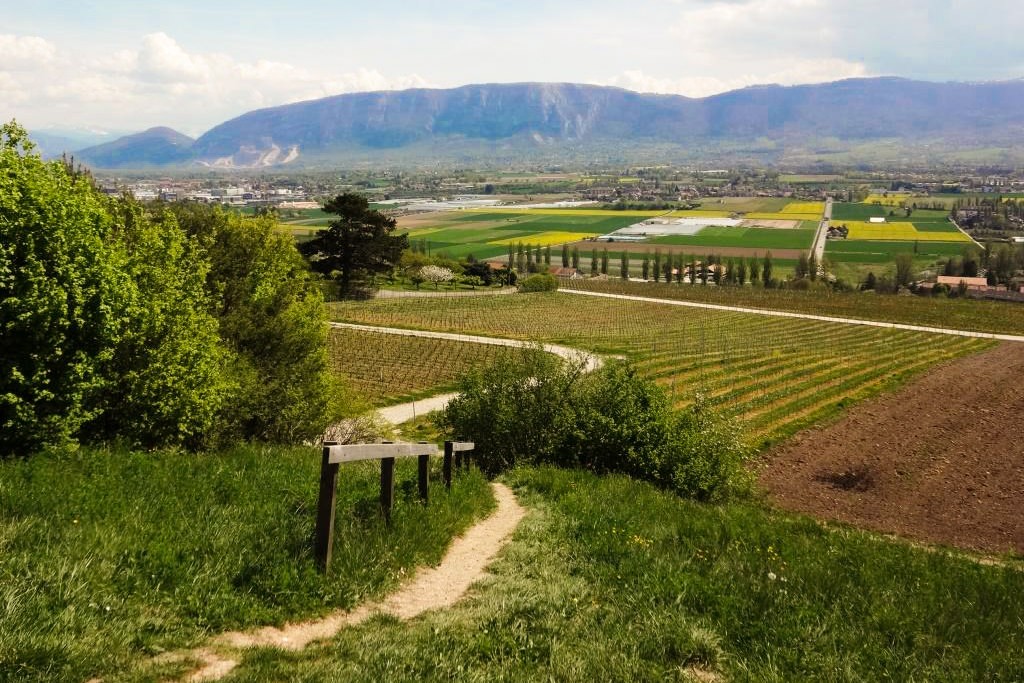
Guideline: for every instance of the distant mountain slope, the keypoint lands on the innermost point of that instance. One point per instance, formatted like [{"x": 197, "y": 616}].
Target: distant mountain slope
[
  {"x": 527, "y": 117},
  {"x": 153, "y": 147}
]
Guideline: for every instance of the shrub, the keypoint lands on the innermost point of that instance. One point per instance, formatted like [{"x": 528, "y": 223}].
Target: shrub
[
  {"x": 537, "y": 409},
  {"x": 542, "y": 282}
]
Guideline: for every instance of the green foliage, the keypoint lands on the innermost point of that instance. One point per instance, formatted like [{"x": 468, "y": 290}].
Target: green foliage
[
  {"x": 539, "y": 409},
  {"x": 541, "y": 282},
  {"x": 165, "y": 380},
  {"x": 106, "y": 331},
  {"x": 59, "y": 315},
  {"x": 357, "y": 245},
  {"x": 160, "y": 327},
  {"x": 272, "y": 322}
]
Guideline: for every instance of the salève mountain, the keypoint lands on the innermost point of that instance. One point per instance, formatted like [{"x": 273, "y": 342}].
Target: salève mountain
[{"x": 478, "y": 122}]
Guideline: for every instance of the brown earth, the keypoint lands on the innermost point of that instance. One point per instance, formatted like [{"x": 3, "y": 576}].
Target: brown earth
[
  {"x": 781, "y": 225},
  {"x": 941, "y": 460},
  {"x": 586, "y": 246}
]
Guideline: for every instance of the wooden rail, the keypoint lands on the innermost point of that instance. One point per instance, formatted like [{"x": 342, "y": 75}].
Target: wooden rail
[{"x": 335, "y": 454}]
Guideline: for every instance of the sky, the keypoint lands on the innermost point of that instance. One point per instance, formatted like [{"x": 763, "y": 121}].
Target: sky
[{"x": 128, "y": 65}]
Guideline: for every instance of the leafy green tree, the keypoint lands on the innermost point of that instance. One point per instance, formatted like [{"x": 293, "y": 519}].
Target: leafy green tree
[
  {"x": 356, "y": 245},
  {"x": 624, "y": 265},
  {"x": 166, "y": 383},
  {"x": 645, "y": 267},
  {"x": 812, "y": 267},
  {"x": 576, "y": 258},
  {"x": 741, "y": 271},
  {"x": 604, "y": 262},
  {"x": 59, "y": 311},
  {"x": 800, "y": 272},
  {"x": 657, "y": 265},
  {"x": 594, "y": 263},
  {"x": 271, "y": 318},
  {"x": 565, "y": 255}
]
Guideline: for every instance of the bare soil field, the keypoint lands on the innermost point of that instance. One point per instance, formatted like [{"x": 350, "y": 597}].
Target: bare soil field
[
  {"x": 941, "y": 460},
  {"x": 422, "y": 220},
  {"x": 781, "y": 225}
]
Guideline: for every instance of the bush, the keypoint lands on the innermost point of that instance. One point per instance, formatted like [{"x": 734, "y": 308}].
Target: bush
[
  {"x": 542, "y": 282},
  {"x": 535, "y": 409}
]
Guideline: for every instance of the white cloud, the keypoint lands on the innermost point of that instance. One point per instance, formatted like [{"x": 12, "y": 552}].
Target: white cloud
[
  {"x": 161, "y": 83},
  {"x": 25, "y": 52}
]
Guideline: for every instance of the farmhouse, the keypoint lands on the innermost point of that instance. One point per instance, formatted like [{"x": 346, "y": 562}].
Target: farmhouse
[
  {"x": 973, "y": 283},
  {"x": 567, "y": 273}
]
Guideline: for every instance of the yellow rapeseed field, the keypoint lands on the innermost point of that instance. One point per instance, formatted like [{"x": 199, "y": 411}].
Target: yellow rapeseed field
[
  {"x": 783, "y": 216},
  {"x": 545, "y": 239},
  {"x": 904, "y": 232},
  {"x": 816, "y": 208},
  {"x": 700, "y": 213},
  {"x": 891, "y": 200}
]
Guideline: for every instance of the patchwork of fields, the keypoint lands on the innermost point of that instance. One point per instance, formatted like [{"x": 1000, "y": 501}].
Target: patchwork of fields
[
  {"x": 928, "y": 235},
  {"x": 776, "y": 375}
]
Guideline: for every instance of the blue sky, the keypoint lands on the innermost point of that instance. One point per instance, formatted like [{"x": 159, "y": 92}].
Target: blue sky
[{"x": 191, "y": 65}]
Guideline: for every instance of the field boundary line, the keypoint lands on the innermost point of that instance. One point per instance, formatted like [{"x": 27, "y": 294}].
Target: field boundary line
[{"x": 802, "y": 316}]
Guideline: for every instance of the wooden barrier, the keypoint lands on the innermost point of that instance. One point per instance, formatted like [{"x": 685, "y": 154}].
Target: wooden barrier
[{"x": 335, "y": 454}]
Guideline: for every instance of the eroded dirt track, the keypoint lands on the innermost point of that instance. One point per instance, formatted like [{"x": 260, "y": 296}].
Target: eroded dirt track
[{"x": 941, "y": 460}]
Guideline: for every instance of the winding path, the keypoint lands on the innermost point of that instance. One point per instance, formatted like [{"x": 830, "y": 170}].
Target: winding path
[
  {"x": 438, "y": 587},
  {"x": 405, "y": 412}
]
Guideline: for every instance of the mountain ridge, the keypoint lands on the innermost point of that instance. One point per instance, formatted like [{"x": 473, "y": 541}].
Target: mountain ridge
[{"x": 529, "y": 118}]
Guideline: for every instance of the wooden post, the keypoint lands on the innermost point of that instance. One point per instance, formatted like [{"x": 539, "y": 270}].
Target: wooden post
[
  {"x": 424, "y": 476},
  {"x": 387, "y": 486},
  {"x": 447, "y": 466},
  {"x": 323, "y": 540}
]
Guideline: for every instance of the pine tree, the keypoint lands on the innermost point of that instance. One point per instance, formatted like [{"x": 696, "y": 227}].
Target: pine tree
[
  {"x": 576, "y": 258},
  {"x": 741, "y": 272},
  {"x": 657, "y": 265},
  {"x": 594, "y": 262},
  {"x": 766, "y": 270},
  {"x": 547, "y": 256},
  {"x": 645, "y": 268},
  {"x": 604, "y": 262},
  {"x": 565, "y": 255},
  {"x": 624, "y": 265}
]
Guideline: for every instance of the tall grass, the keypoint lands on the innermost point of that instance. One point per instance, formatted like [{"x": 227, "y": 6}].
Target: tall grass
[{"x": 108, "y": 557}]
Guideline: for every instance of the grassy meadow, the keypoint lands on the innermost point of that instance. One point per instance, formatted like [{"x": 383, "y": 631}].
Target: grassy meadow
[
  {"x": 110, "y": 557},
  {"x": 611, "y": 579}
]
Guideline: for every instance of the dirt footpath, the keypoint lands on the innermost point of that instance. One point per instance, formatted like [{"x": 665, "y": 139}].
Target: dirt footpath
[{"x": 940, "y": 461}]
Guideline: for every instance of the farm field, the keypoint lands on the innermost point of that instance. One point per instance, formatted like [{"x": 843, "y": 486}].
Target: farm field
[
  {"x": 745, "y": 238},
  {"x": 904, "y": 231},
  {"x": 776, "y": 375},
  {"x": 890, "y": 466},
  {"x": 612, "y": 579},
  {"x": 488, "y": 233},
  {"x": 385, "y": 369},
  {"x": 869, "y": 251},
  {"x": 977, "y": 316}
]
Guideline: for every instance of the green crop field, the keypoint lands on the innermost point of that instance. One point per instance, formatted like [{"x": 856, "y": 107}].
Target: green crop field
[
  {"x": 777, "y": 375},
  {"x": 385, "y": 368},
  {"x": 868, "y": 251},
  {"x": 487, "y": 234},
  {"x": 843, "y": 211},
  {"x": 752, "y": 238}
]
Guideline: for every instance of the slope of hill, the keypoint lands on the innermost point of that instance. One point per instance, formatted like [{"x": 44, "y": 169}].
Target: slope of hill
[
  {"x": 532, "y": 119},
  {"x": 153, "y": 147}
]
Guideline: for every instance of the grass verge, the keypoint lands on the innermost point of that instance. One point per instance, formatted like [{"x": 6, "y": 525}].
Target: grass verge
[{"x": 108, "y": 557}]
